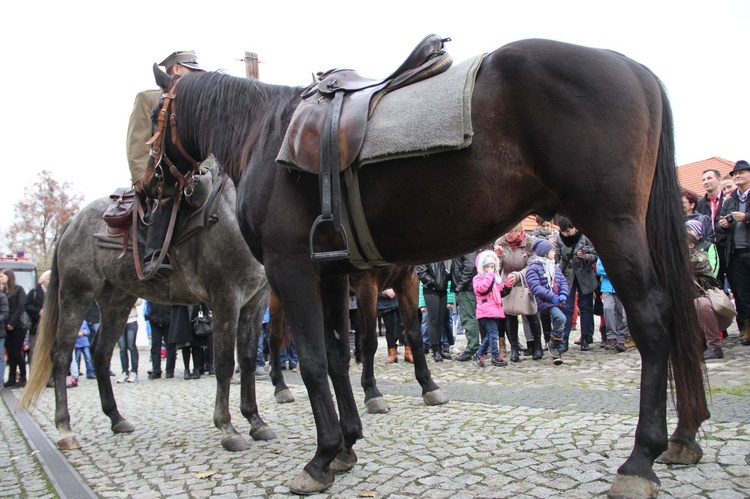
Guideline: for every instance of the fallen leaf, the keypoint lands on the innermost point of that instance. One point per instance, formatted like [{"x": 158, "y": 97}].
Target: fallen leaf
[
  {"x": 205, "y": 474},
  {"x": 368, "y": 493},
  {"x": 278, "y": 451}
]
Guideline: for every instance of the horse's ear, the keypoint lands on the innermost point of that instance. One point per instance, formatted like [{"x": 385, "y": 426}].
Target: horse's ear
[{"x": 162, "y": 78}]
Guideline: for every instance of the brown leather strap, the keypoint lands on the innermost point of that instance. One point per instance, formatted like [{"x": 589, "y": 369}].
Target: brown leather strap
[{"x": 165, "y": 245}]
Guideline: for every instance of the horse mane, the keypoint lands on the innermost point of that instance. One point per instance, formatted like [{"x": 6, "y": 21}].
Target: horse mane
[{"x": 227, "y": 110}]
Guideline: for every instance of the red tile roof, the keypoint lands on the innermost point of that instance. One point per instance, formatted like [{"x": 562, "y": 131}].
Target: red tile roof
[{"x": 689, "y": 175}]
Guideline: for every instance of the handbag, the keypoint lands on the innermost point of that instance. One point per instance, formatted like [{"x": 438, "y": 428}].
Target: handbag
[
  {"x": 25, "y": 321},
  {"x": 721, "y": 303},
  {"x": 202, "y": 325},
  {"x": 520, "y": 300}
]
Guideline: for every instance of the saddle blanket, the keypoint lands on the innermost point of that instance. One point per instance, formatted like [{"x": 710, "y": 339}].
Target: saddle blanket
[{"x": 427, "y": 117}]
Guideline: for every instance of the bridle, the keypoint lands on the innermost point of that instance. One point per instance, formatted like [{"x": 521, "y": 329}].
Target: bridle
[{"x": 156, "y": 155}]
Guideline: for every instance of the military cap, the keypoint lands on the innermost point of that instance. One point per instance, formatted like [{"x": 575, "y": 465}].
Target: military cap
[{"x": 185, "y": 58}]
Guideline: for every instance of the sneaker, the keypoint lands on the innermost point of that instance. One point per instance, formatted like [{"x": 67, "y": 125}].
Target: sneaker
[
  {"x": 133, "y": 377},
  {"x": 169, "y": 374},
  {"x": 611, "y": 345},
  {"x": 123, "y": 378},
  {"x": 620, "y": 348},
  {"x": 91, "y": 376},
  {"x": 479, "y": 359},
  {"x": 154, "y": 375},
  {"x": 72, "y": 383},
  {"x": 713, "y": 353},
  {"x": 499, "y": 362},
  {"x": 553, "y": 351},
  {"x": 464, "y": 357}
]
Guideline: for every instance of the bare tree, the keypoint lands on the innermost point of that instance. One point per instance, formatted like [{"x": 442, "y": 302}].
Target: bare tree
[{"x": 46, "y": 205}]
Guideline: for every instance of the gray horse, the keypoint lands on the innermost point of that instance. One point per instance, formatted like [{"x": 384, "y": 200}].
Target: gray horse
[{"x": 213, "y": 266}]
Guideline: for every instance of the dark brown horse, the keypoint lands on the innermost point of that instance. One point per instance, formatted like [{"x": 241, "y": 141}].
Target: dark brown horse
[
  {"x": 557, "y": 128},
  {"x": 366, "y": 285}
]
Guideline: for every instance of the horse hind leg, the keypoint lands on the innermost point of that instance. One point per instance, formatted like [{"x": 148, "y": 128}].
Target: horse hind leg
[
  {"x": 114, "y": 307},
  {"x": 278, "y": 335},
  {"x": 247, "y": 341},
  {"x": 408, "y": 303},
  {"x": 366, "y": 306}
]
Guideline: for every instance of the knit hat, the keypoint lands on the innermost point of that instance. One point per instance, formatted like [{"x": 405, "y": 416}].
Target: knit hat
[
  {"x": 542, "y": 247},
  {"x": 695, "y": 226}
]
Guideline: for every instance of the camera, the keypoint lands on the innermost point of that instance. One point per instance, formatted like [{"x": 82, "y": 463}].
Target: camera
[{"x": 729, "y": 218}]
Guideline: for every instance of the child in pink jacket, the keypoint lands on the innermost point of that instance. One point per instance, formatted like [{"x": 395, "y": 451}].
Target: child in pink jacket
[{"x": 489, "y": 290}]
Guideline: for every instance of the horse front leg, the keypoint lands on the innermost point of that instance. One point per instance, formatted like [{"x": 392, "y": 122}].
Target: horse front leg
[
  {"x": 336, "y": 321},
  {"x": 300, "y": 293},
  {"x": 249, "y": 325}
]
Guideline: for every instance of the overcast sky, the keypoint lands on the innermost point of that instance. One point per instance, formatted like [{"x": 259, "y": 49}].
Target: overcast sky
[{"x": 71, "y": 69}]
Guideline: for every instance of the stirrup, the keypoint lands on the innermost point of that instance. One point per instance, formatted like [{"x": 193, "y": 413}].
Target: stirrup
[{"x": 328, "y": 255}]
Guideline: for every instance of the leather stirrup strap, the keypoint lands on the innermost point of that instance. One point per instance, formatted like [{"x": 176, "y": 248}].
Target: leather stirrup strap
[{"x": 165, "y": 245}]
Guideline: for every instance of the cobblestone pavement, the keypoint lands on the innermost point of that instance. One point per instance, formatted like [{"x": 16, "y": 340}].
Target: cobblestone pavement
[{"x": 526, "y": 430}]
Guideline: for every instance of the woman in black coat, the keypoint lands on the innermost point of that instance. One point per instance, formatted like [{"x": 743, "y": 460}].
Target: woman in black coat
[
  {"x": 14, "y": 331},
  {"x": 182, "y": 335}
]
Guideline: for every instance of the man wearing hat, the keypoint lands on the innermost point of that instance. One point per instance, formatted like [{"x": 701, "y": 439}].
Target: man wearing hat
[
  {"x": 735, "y": 223},
  {"x": 139, "y": 132}
]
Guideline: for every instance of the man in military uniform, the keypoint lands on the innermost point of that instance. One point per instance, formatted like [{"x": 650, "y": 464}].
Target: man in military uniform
[{"x": 139, "y": 132}]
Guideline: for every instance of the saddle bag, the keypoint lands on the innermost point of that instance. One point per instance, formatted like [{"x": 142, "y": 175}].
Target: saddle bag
[{"x": 119, "y": 215}]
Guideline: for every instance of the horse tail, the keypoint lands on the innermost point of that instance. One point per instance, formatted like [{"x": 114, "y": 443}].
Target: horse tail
[
  {"x": 46, "y": 337},
  {"x": 671, "y": 260}
]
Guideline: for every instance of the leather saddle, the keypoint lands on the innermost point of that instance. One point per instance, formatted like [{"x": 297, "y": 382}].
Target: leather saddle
[
  {"x": 341, "y": 101},
  {"x": 328, "y": 129}
]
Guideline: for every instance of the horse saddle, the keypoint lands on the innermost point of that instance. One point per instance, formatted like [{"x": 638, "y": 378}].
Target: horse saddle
[{"x": 329, "y": 127}]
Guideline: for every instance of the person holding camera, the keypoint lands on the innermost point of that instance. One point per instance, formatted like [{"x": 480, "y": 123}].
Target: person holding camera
[
  {"x": 735, "y": 224},
  {"x": 576, "y": 257}
]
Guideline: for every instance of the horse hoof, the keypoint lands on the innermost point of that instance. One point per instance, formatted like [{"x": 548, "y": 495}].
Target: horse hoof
[
  {"x": 68, "y": 443},
  {"x": 344, "y": 461},
  {"x": 284, "y": 396},
  {"x": 123, "y": 427},
  {"x": 681, "y": 453},
  {"x": 265, "y": 432},
  {"x": 377, "y": 405},
  {"x": 435, "y": 397},
  {"x": 631, "y": 487},
  {"x": 305, "y": 484},
  {"x": 235, "y": 443}
]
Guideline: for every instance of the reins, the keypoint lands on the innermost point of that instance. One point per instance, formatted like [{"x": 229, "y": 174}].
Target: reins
[{"x": 156, "y": 155}]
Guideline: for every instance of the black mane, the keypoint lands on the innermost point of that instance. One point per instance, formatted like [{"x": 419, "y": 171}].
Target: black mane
[{"x": 227, "y": 110}]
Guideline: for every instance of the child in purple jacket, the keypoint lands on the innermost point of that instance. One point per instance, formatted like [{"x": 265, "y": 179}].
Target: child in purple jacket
[
  {"x": 489, "y": 290},
  {"x": 550, "y": 288}
]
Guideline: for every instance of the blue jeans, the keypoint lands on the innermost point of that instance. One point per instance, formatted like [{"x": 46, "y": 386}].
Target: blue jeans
[
  {"x": 490, "y": 340},
  {"x": 262, "y": 340},
  {"x": 288, "y": 354},
  {"x": 75, "y": 366},
  {"x": 127, "y": 342},
  {"x": 558, "y": 323},
  {"x": 585, "y": 311}
]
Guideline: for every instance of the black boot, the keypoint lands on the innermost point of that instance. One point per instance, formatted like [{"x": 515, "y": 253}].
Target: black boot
[
  {"x": 155, "y": 236},
  {"x": 436, "y": 356},
  {"x": 584, "y": 343},
  {"x": 514, "y": 346},
  {"x": 538, "y": 351},
  {"x": 529, "y": 349}
]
